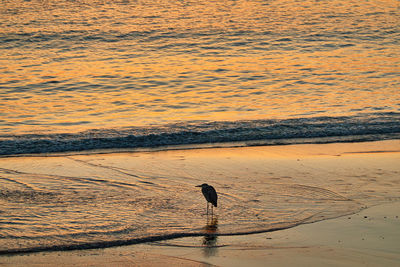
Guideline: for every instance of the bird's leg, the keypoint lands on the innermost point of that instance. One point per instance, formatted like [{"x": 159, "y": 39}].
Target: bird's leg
[
  {"x": 207, "y": 208},
  {"x": 212, "y": 210}
]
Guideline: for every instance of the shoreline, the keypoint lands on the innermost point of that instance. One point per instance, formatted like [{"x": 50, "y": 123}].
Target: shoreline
[
  {"x": 323, "y": 241},
  {"x": 215, "y": 145},
  {"x": 370, "y": 235},
  {"x": 147, "y": 240}
]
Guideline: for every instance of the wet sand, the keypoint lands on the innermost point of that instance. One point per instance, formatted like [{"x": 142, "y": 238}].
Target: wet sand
[
  {"x": 370, "y": 237},
  {"x": 367, "y": 238}
]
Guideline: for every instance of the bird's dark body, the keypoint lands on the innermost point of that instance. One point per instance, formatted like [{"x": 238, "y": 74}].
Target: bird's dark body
[{"x": 210, "y": 194}]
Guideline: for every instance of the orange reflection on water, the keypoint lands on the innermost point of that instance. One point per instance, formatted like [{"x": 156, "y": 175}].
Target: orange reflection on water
[{"x": 96, "y": 64}]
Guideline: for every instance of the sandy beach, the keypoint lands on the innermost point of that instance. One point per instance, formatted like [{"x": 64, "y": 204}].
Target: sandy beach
[{"x": 367, "y": 237}]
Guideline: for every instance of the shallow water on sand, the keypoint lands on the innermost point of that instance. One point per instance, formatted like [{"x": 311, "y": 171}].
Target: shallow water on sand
[{"x": 81, "y": 201}]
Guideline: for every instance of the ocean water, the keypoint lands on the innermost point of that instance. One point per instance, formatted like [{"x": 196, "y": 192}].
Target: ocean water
[
  {"x": 81, "y": 76},
  {"x": 80, "y": 72}
]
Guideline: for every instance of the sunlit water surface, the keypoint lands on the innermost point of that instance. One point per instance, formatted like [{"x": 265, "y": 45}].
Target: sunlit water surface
[{"x": 69, "y": 66}]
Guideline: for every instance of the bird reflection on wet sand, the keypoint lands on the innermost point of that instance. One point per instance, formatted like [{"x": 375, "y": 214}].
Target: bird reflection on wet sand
[{"x": 210, "y": 237}]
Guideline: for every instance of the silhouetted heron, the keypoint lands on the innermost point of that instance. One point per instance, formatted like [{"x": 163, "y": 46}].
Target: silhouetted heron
[{"x": 210, "y": 194}]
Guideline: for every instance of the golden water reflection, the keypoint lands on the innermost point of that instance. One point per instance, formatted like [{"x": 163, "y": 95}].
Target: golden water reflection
[
  {"x": 210, "y": 238},
  {"x": 68, "y": 67}
]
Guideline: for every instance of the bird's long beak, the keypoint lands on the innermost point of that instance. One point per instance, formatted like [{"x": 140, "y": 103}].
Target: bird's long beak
[{"x": 198, "y": 186}]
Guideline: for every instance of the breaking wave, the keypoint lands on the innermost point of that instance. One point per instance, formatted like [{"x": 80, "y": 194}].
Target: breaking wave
[{"x": 374, "y": 127}]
